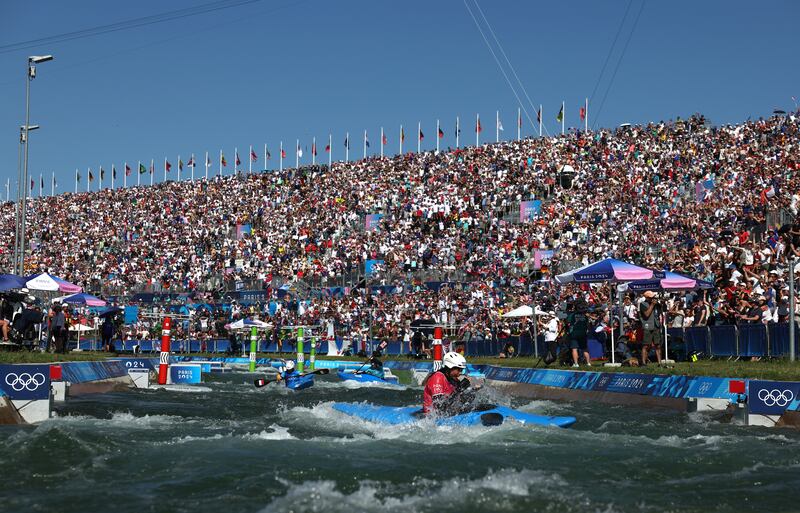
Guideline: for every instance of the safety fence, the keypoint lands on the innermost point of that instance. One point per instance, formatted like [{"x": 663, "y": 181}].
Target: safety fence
[{"x": 726, "y": 341}]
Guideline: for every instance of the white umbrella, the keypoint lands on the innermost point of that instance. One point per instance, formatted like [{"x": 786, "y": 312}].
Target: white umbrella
[
  {"x": 50, "y": 283},
  {"x": 523, "y": 311},
  {"x": 81, "y": 328}
]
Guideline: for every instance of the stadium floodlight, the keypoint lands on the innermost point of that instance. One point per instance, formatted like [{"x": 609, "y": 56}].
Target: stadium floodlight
[
  {"x": 36, "y": 59},
  {"x": 19, "y": 246}
]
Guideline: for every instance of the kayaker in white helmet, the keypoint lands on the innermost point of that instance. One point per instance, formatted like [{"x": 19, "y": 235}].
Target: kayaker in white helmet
[{"x": 446, "y": 390}]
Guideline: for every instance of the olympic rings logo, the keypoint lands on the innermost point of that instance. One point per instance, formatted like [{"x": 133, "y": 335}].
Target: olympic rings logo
[
  {"x": 25, "y": 381},
  {"x": 775, "y": 397}
]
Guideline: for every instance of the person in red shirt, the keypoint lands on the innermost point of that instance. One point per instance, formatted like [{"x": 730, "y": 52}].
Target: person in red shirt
[{"x": 446, "y": 389}]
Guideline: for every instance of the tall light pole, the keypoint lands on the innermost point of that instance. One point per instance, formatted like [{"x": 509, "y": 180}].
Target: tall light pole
[
  {"x": 32, "y": 62},
  {"x": 20, "y": 191}
]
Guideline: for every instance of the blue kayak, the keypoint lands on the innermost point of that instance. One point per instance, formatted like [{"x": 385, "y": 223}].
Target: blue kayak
[
  {"x": 300, "y": 382},
  {"x": 488, "y": 415},
  {"x": 363, "y": 377}
]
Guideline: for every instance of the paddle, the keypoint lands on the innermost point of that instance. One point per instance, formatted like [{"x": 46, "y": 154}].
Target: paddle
[{"x": 261, "y": 382}]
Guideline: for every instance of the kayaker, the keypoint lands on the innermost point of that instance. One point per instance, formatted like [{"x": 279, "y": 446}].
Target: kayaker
[
  {"x": 375, "y": 367},
  {"x": 288, "y": 373},
  {"x": 446, "y": 391}
]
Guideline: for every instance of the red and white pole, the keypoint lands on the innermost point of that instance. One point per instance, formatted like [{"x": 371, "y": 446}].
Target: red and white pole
[
  {"x": 163, "y": 367},
  {"x": 437, "y": 348}
]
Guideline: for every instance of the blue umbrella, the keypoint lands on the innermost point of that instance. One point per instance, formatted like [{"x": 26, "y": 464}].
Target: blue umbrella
[
  {"x": 607, "y": 270},
  {"x": 11, "y": 282}
]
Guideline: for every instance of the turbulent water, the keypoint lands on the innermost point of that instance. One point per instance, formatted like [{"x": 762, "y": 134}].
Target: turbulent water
[{"x": 242, "y": 449}]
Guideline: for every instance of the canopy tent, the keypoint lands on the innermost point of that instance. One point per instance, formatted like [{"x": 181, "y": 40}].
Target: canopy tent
[
  {"x": 523, "y": 311},
  {"x": 50, "y": 283},
  {"x": 81, "y": 299},
  {"x": 670, "y": 281},
  {"x": 608, "y": 270},
  {"x": 242, "y": 324},
  {"x": 11, "y": 282}
]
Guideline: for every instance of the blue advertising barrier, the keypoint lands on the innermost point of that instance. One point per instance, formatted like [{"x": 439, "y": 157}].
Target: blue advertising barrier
[
  {"x": 27, "y": 382},
  {"x": 697, "y": 340},
  {"x": 80, "y": 372},
  {"x": 626, "y": 383},
  {"x": 185, "y": 373},
  {"x": 772, "y": 397}
]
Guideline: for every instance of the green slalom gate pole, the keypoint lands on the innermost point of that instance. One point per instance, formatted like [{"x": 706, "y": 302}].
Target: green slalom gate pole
[
  {"x": 313, "y": 357},
  {"x": 300, "y": 357},
  {"x": 253, "y": 344}
]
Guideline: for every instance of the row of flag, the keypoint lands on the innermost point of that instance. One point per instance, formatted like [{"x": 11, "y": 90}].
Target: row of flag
[{"x": 141, "y": 169}]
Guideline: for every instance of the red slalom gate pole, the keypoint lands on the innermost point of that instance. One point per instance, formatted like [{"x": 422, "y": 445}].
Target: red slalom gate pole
[
  {"x": 163, "y": 366},
  {"x": 437, "y": 348}
]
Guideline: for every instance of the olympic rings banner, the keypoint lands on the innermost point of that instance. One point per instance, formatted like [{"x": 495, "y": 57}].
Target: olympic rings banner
[
  {"x": 772, "y": 397},
  {"x": 25, "y": 381}
]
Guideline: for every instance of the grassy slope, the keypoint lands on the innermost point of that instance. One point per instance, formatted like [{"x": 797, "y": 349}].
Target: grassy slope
[{"x": 780, "y": 370}]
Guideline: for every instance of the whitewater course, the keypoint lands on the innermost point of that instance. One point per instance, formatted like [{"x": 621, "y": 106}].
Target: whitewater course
[{"x": 106, "y": 436}]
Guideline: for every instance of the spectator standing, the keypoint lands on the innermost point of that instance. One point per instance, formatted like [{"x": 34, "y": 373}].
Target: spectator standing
[{"x": 650, "y": 315}]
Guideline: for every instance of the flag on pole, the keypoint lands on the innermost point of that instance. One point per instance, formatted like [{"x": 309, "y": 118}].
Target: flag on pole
[
  {"x": 347, "y": 141},
  {"x": 78, "y": 176},
  {"x": 41, "y": 182},
  {"x": 222, "y": 160},
  {"x": 33, "y": 182},
  {"x": 500, "y": 125},
  {"x": 267, "y": 153},
  {"x": 385, "y": 140},
  {"x": 180, "y": 165},
  {"x": 421, "y": 135},
  {"x": 328, "y": 148},
  {"x": 314, "y": 148},
  {"x": 238, "y": 162},
  {"x": 253, "y": 156},
  {"x": 167, "y": 166},
  {"x": 560, "y": 116},
  {"x": 283, "y": 153},
  {"x": 91, "y": 178},
  {"x": 366, "y": 139},
  {"x": 142, "y": 169},
  {"x": 102, "y": 173},
  {"x": 441, "y": 133},
  {"x": 191, "y": 162},
  {"x": 519, "y": 120},
  {"x": 478, "y": 127},
  {"x": 402, "y": 135},
  {"x": 127, "y": 170},
  {"x": 152, "y": 167},
  {"x": 208, "y": 161},
  {"x": 113, "y": 172},
  {"x": 539, "y": 116},
  {"x": 299, "y": 151},
  {"x": 583, "y": 113}
]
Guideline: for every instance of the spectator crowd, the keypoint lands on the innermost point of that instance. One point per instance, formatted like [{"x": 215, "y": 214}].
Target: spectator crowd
[{"x": 718, "y": 203}]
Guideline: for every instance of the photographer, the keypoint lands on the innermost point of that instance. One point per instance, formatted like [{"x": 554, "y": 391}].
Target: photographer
[{"x": 651, "y": 317}]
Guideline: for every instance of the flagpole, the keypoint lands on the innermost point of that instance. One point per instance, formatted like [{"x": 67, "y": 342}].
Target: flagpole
[
  {"x": 113, "y": 169},
  {"x": 497, "y": 126},
  {"x": 437, "y": 136},
  {"x": 139, "y": 174},
  {"x": 153, "y": 170},
  {"x": 297, "y": 155},
  {"x": 281, "y": 156},
  {"x": 76, "y": 181},
  {"x": 519, "y": 123},
  {"x": 458, "y": 131},
  {"x": 347, "y": 147},
  {"x": 477, "y": 130},
  {"x": 540, "y": 120},
  {"x": 180, "y": 165},
  {"x": 563, "y": 115},
  {"x": 365, "y": 145},
  {"x": 586, "y": 114},
  {"x": 401, "y": 139},
  {"x": 265, "y": 156},
  {"x": 314, "y": 151},
  {"x": 41, "y": 182},
  {"x": 193, "y": 164},
  {"x": 88, "y": 182},
  {"x": 381, "y": 142},
  {"x": 207, "y": 163},
  {"x": 165, "y": 169},
  {"x": 8, "y": 190},
  {"x": 250, "y": 161},
  {"x": 220, "y": 162},
  {"x": 125, "y": 176},
  {"x": 419, "y": 136},
  {"x": 330, "y": 150},
  {"x": 52, "y": 185}
]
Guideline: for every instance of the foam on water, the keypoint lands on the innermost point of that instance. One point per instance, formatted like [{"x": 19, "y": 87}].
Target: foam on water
[
  {"x": 496, "y": 491},
  {"x": 352, "y": 385},
  {"x": 277, "y": 433}
]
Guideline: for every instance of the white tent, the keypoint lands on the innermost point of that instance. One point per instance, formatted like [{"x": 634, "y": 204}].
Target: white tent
[{"x": 523, "y": 311}]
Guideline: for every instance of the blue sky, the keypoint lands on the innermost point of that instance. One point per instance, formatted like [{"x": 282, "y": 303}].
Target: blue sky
[{"x": 268, "y": 71}]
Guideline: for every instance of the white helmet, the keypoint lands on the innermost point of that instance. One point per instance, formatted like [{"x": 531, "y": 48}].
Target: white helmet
[
  {"x": 453, "y": 359},
  {"x": 289, "y": 365}
]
